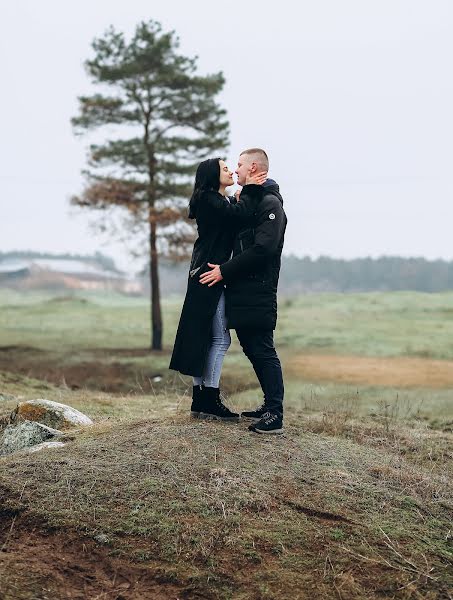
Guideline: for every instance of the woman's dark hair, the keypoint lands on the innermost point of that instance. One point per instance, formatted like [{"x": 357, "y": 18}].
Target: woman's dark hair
[{"x": 207, "y": 178}]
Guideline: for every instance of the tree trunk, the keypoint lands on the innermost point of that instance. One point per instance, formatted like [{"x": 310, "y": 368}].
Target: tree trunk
[{"x": 156, "y": 313}]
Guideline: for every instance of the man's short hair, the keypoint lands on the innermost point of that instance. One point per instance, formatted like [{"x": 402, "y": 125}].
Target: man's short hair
[{"x": 259, "y": 156}]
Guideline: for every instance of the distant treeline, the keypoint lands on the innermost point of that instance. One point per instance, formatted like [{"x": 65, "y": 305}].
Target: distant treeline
[
  {"x": 324, "y": 274},
  {"x": 97, "y": 259},
  {"x": 365, "y": 274}
]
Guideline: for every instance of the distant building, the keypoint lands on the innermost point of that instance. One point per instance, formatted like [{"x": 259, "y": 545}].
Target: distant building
[
  {"x": 12, "y": 270},
  {"x": 64, "y": 274}
]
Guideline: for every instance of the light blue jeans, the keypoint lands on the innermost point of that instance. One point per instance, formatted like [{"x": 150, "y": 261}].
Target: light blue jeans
[{"x": 220, "y": 342}]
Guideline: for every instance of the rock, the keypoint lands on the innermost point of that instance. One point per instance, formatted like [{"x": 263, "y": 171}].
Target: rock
[
  {"x": 45, "y": 445},
  {"x": 25, "y": 434},
  {"x": 101, "y": 538},
  {"x": 52, "y": 414}
]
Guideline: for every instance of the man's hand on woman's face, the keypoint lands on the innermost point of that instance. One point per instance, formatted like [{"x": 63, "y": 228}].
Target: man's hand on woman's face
[
  {"x": 211, "y": 277},
  {"x": 256, "y": 178}
]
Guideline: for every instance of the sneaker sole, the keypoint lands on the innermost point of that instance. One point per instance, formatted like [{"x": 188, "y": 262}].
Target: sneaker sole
[
  {"x": 271, "y": 432},
  {"x": 252, "y": 419},
  {"x": 209, "y": 417}
]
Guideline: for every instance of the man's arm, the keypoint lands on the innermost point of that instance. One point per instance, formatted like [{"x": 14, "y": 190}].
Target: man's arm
[
  {"x": 268, "y": 233},
  {"x": 251, "y": 194}
]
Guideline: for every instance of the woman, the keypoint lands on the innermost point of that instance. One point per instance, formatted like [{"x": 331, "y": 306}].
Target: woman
[{"x": 202, "y": 338}]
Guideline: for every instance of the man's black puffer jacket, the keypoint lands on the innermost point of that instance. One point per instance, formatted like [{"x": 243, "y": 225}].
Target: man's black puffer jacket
[{"x": 251, "y": 276}]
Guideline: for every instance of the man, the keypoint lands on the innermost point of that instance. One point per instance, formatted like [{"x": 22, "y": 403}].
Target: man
[{"x": 251, "y": 278}]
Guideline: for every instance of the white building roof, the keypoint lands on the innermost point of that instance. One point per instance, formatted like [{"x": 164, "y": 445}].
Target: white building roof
[
  {"x": 13, "y": 266},
  {"x": 59, "y": 265}
]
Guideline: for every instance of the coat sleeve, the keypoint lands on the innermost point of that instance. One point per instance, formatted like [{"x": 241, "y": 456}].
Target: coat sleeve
[
  {"x": 250, "y": 196},
  {"x": 269, "y": 228}
]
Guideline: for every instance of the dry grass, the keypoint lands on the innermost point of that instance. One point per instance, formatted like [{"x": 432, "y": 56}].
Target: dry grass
[
  {"x": 399, "y": 372},
  {"x": 216, "y": 512}
]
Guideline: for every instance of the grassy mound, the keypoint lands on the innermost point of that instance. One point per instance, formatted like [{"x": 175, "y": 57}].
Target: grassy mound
[{"x": 181, "y": 509}]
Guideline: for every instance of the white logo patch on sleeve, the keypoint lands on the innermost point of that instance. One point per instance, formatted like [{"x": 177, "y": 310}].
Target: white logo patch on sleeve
[{"x": 271, "y": 216}]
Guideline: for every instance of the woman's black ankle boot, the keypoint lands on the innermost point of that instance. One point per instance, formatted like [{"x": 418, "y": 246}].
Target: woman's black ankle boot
[
  {"x": 198, "y": 404},
  {"x": 214, "y": 407}
]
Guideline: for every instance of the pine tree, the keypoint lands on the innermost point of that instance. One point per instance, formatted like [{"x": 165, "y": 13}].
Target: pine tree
[{"x": 166, "y": 119}]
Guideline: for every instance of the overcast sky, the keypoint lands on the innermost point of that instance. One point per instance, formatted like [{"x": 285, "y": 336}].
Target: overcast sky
[{"x": 352, "y": 99}]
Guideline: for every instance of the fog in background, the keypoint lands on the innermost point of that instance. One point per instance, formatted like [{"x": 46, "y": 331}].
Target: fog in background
[{"x": 352, "y": 99}]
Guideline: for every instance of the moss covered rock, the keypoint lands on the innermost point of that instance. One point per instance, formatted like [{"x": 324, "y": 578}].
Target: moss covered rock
[
  {"x": 24, "y": 435},
  {"x": 52, "y": 414}
]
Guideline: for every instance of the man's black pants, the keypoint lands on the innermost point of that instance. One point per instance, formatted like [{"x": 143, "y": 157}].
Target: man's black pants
[{"x": 258, "y": 346}]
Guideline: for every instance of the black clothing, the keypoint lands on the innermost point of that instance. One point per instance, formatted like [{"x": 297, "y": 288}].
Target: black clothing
[
  {"x": 254, "y": 415},
  {"x": 269, "y": 423},
  {"x": 251, "y": 276},
  {"x": 198, "y": 403},
  {"x": 258, "y": 346},
  {"x": 207, "y": 404},
  {"x": 216, "y": 221}
]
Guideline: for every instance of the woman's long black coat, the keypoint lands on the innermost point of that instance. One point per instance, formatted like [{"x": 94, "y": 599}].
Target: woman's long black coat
[{"x": 217, "y": 221}]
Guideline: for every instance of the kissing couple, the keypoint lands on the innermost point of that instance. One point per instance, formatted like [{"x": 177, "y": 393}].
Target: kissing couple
[{"x": 232, "y": 284}]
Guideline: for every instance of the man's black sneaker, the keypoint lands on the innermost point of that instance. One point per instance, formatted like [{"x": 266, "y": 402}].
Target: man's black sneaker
[
  {"x": 269, "y": 423},
  {"x": 213, "y": 407},
  {"x": 254, "y": 415}
]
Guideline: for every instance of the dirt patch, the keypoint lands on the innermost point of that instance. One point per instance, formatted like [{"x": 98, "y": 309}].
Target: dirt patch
[
  {"x": 38, "y": 563},
  {"x": 391, "y": 372},
  {"x": 19, "y": 349},
  {"x": 133, "y": 352},
  {"x": 100, "y": 373},
  {"x": 113, "y": 370},
  {"x": 114, "y": 377}
]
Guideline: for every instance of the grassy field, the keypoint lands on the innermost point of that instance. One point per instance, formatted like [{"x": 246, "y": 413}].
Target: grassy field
[{"x": 354, "y": 501}]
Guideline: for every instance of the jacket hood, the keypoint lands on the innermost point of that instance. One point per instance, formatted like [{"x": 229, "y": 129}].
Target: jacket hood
[
  {"x": 270, "y": 183},
  {"x": 271, "y": 187}
]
